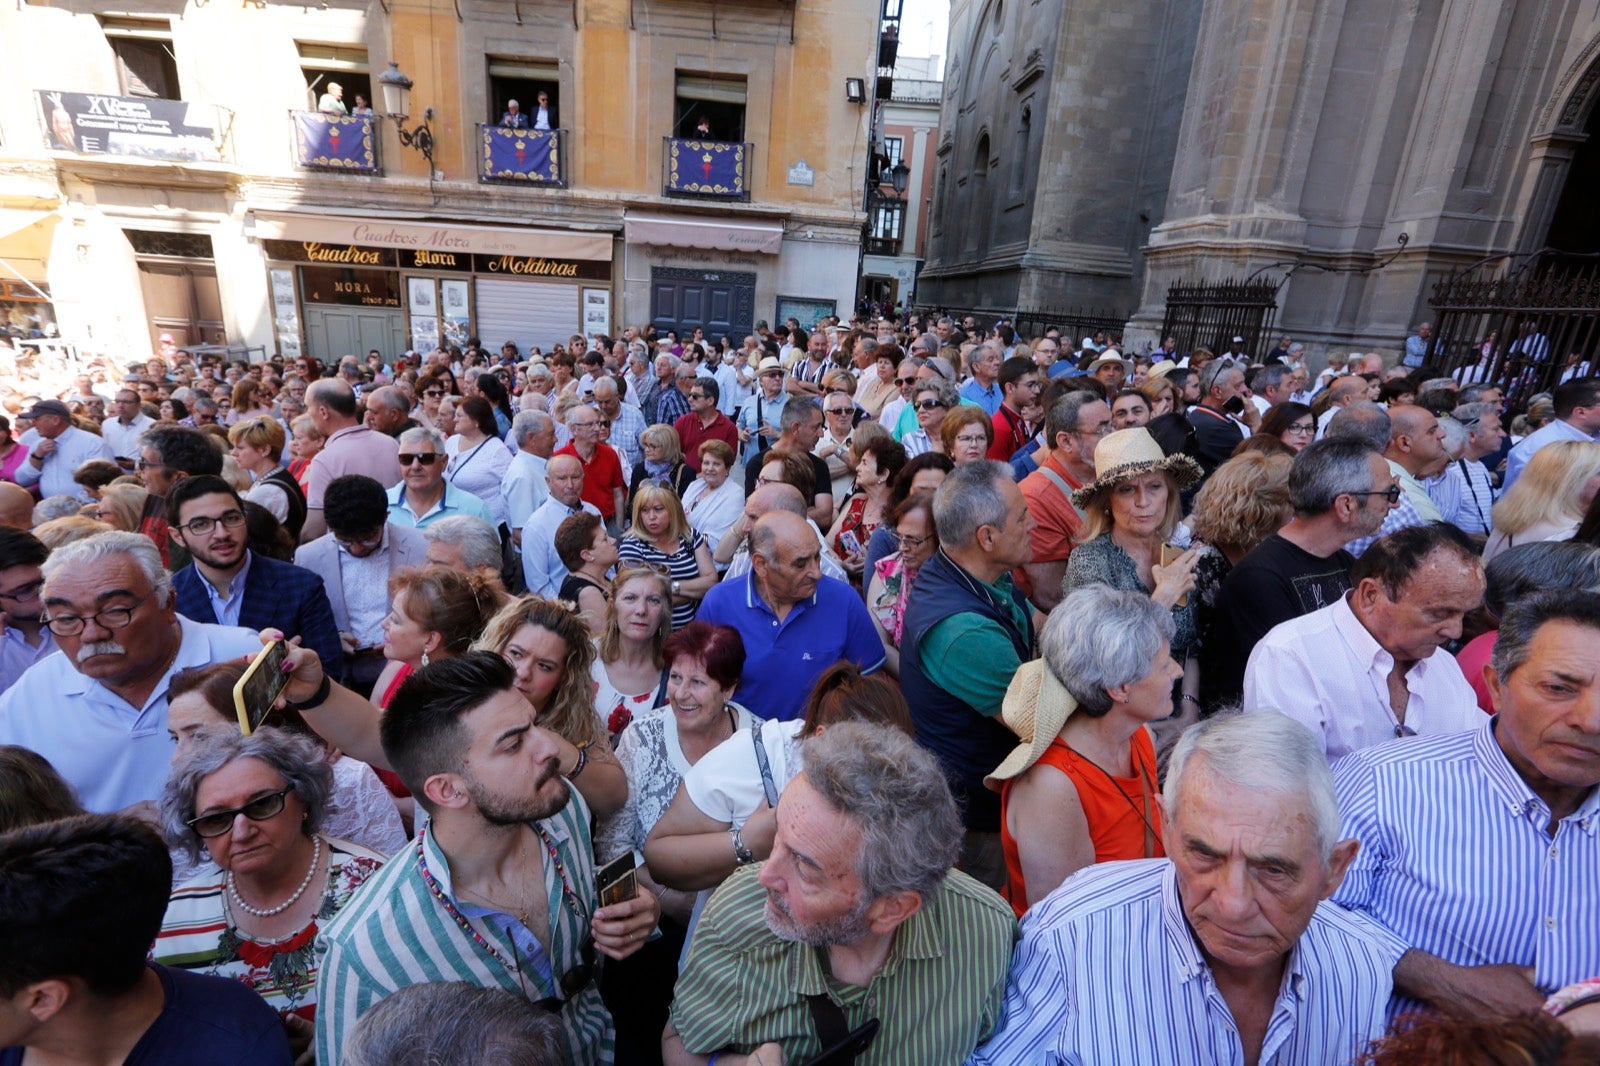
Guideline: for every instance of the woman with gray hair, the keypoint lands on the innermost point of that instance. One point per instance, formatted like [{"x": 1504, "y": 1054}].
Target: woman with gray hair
[
  {"x": 1080, "y": 788},
  {"x": 453, "y": 1023},
  {"x": 256, "y": 804}
]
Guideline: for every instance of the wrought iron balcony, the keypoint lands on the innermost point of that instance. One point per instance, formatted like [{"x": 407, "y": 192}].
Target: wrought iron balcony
[
  {"x": 710, "y": 170},
  {"x": 522, "y": 157},
  {"x": 346, "y": 143}
]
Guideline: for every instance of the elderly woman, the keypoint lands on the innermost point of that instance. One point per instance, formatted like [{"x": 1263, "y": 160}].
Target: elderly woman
[
  {"x": 714, "y": 501},
  {"x": 663, "y": 460},
  {"x": 1132, "y": 508},
  {"x": 258, "y": 448},
  {"x": 256, "y": 804},
  {"x": 877, "y": 385},
  {"x": 431, "y": 391},
  {"x": 892, "y": 577},
  {"x": 424, "y": 494},
  {"x": 867, "y": 508},
  {"x": 630, "y": 670},
  {"x": 1549, "y": 498},
  {"x": 588, "y": 552},
  {"x": 932, "y": 401},
  {"x": 660, "y": 537},
  {"x": 1164, "y": 394},
  {"x": 967, "y": 433},
  {"x": 1081, "y": 787},
  {"x": 121, "y": 506},
  {"x": 478, "y": 457},
  {"x": 304, "y": 446}
]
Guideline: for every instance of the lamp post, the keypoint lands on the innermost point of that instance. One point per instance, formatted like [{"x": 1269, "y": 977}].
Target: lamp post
[{"x": 397, "y": 106}]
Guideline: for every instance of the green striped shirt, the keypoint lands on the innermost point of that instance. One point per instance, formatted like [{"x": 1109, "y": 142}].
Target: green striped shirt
[
  {"x": 937, "y": 997},
  {"x": 394, "y": 934}
]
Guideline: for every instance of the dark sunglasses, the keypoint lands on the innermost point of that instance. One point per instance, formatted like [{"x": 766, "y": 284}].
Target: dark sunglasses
[
  {"x": 930, "y": 405},
  {"x": 257, "y": 810},
  {"x": 425, "y": 458}
]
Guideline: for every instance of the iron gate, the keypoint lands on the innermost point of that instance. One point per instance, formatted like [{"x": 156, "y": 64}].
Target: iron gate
[{"x": 1211, "y": 314}]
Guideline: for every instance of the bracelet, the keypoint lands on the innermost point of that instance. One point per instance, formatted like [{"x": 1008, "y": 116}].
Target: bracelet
[
  {"x": 742, "y": 856},
  {"x": 712, "y": 1061},
  {"x": 318, "y": 698},
  {"x": 1185, "y": 696},
  {"x": 583, "y": 760}
]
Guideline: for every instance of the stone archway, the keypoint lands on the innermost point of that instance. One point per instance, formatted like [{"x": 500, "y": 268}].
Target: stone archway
[{"x": 1562, "y": 151}]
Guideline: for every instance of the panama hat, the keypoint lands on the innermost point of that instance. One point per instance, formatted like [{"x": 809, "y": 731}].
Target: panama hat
[
  {"x": 769, "y": 364},
  {"x": 1112, "y": 356},
  {"x": 1035, "y": 708},
  {"x": 1129, "y": 453},
  {"x": 1162, "y": 369}
]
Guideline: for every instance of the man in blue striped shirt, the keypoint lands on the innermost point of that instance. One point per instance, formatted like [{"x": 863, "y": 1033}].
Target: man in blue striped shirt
[
  {"x": 1481, "y": 850},
  {"x": 1222, "y": 953}
]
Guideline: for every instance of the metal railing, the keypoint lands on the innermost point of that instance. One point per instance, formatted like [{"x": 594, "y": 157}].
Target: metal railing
[
  {"x": 1211, "y": 314},
  {"x": 522, "y": 157},
  {"x": 701, "y": 169},
  {"x": 323, "y": 141}
]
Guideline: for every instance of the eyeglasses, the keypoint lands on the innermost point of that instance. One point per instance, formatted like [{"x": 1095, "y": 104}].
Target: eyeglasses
[
  {"x": 971, "y": 440},
  {"x": 1392, "y": 494},
  {"x": 70, "y": 625},
  {"x": 931, "y": 405},
  {"x": 372, "y": 540},
  {"x": 425, "y": 458},
  {"x": 697, "y": 396},
  {"x": 1215, "y": 368},
  {"x": 145, "y": 464},
  {"x": 27, "y": 592},
  {"x": 205, "y": 523},
  {"x": 257, "y": 810},
  {"x": 909, "y": 543},
  {"x": 1301, "y": 427}
]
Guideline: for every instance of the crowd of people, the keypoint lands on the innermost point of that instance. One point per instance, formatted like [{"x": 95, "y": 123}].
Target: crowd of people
[{"x": 894, "y": 691}]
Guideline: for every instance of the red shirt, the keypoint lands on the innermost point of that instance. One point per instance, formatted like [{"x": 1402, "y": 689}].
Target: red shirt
[
  {"x": 1010, "y": 434},
  {"x": 601, "y": 475},
  {"x": 692, "y": 434}
]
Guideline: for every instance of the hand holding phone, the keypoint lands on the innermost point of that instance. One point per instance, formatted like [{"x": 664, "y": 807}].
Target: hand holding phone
[{"x": 260, "y": 687}]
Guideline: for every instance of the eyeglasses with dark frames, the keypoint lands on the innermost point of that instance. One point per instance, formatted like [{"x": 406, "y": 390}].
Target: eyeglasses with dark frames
[
  {"x": 203, "y": 525},
  {"x": 1392, "y": 494},
  {"x": 70, "y": 625},
  {"x": 27, "y": 592},
  {"x": 260, "y": 809},
  {"x": 931, "y": 405}
]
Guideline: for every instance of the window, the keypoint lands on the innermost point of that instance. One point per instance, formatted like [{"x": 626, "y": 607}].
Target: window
[
  {"x": 327, "y": 65},
  {"x": 523, "y": 80},
  {"x": 146, "y": 65},
  {"x": 886, "y": 227},
  {"x": 717, "y": 102},
  {"x": 893, "y": 148}
]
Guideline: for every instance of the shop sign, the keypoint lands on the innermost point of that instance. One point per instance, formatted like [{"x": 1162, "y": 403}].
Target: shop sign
[{"x": 335, "y": 254}]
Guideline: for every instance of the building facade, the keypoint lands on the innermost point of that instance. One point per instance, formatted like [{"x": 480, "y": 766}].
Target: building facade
[
  {"x": 897, "y": 225},
  {"x": 188, "y": 168}
]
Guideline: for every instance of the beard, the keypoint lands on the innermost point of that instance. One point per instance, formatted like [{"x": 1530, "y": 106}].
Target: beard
[
  {"x": 550, "y": 795},
  {"x": 841, "y": 929}
]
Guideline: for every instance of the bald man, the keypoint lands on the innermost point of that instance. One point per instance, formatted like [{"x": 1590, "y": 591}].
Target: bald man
[
  {"x": 733, "y": 550},
  {"x": 542, "y": 568},
  {"x": 16, "y": 506}
]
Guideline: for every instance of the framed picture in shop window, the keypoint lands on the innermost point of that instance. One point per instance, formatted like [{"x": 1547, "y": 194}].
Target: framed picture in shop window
[
  {"x": 455, "y": 310},
  {"x": 423, "y": 305}
]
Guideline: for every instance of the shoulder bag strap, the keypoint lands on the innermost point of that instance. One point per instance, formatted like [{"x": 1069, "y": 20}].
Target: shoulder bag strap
[
  {"x": 1059, "y": 482},
  {"x": 829, "y": 1020},
  {"x": 767, "y": 784}
]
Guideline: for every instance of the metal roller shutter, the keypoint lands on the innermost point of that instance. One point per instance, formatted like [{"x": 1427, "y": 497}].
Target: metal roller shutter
[{"x": 528, "y": 312}]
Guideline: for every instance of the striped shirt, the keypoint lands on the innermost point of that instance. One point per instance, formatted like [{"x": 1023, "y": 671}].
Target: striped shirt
[
  {"x": 1107, "y": 971},
  {"x": 937, "y": 996},
  {"x": 395, "y": 934},
  {"x": 1456, "y": 861}
]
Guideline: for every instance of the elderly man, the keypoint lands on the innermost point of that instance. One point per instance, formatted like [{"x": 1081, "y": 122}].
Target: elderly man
[
  {"x": 967, "y": 630},
  {"x": 122, "y": 433},
  {"x": 795, "y": 622},
  {"x": 16, "y": 506},
  {"x": 733, "y": 546},
  {"x": 1073, "y": 426},
  {"x": 1417, "y": 346},
  {"x": 462, "y": 542},
  {"x": 704, "y": 421},
  {"x": 604, "y": 484},
  {"x": 1340, "y": 492},
  {"x": 627, "y": 423},
  {"x": 98, "y": 711},
  {"x": 983, "y": 387},
  {"x": 523, "y": 490},
  {"x": 355, "y": 560},
  {"x": 542, "y": 569},
  {"x": 25, "y": 639},
  {"x": 761, "y": 414},
  {"x": 389, "y": 411},
  {"x": 423, "y": 496},
  {"x": 1484, "y": 437},
  {"x": 1479, "y": 849},
  {"x": 856, "y": 915},
  {"x": 1577, "y": 404},
  {"x": 1223, "y": 952},
  {"x": 1365, "y": 421},
  {"x": 1415, "y": 453},
  {"x": 1372, "y": 665},
  {"x": 1223, "y": 416},
  {"x": 666, "y": 402},
  {"x": 1343, "y": 392},
  {"x": 350, "y": 448},
  {"x": 56, "y": 448},
  {"x": 499, "y": 890},
  {"x": 736, "y": 377}
]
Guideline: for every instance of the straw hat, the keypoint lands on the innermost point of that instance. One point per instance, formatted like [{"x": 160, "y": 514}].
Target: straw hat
[
  {"x": 1111, "y": 356},
  {"x": 1162, "y": 369},
  {"x": 1036, "y": 706},
  {"x": 769, "y": 364},
  {"x": 1129, "y": 453}
]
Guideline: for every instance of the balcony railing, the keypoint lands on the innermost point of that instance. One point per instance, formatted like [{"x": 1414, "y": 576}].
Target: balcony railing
[
  {"x": 710, "y": 170},
  {"x": 335, "y": 142},
  {"x": 521, "y": 157}
]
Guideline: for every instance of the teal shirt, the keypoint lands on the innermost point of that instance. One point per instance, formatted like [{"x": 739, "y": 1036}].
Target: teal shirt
[{"x": 955, "y": 643}]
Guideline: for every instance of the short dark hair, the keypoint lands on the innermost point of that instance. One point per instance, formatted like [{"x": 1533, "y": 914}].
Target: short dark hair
[
  {"x": 1571, "y": 395},
  {"x": 708, "y": 385},
  {"x": 191, "y": 488},
  {"x": 574, "y": 536},
  {"x": 421, "y": 730},
  {"x": 1523, "y": 620},
  {"x": 18, "y": 547},
  {"x": 82, "y": 897},
  {"x": 1324, "y": 470},
  {"x": 1015, "y": 369},
  {"x": 1393, "y": 560},
  {"x": 184, "y": 449},
  {"x": 719, "y": 647},
  {"x": 354, "y": 504}
]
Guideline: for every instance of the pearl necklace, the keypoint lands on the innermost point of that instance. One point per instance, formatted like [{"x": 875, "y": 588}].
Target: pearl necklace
[{"x": 316, "y": 859}]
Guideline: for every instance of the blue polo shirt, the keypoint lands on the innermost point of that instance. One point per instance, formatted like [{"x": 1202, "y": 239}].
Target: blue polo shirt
[
  {"x": 783, "y": 659},
  {"x": 988, "y": 399}
]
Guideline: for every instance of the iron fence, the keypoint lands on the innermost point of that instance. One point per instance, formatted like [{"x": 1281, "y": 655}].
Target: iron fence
[
  {"x": 1211, "y": 314},
  {"x": 1074, "y": 323}
]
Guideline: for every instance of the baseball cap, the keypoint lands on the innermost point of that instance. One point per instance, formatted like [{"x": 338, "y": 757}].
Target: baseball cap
[{"x": 47, "y": 407}]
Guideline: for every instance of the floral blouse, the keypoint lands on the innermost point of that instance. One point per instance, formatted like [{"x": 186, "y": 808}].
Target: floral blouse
[
  {"x": 198, "y": 933},
  {"x": 890, "y": 607},
  {"x": 1101, "y": 561}
]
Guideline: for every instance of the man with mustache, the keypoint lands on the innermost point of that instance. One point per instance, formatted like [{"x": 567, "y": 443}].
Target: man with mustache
[{"x": 98, "y": 709}]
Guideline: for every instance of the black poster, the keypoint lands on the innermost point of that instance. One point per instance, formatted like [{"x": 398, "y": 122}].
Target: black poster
[{"x": 123, "y": 125}]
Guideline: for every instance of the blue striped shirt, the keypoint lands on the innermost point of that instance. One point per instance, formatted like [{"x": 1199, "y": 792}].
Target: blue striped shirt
[
  {"x": 1108, "y": 971},
  {"x": 1455, "y": 859}
]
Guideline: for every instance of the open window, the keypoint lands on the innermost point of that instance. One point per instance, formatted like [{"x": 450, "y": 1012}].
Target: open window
[
  {"x": 710, "y": 107},
  {"x": 525, "y": 80},
  {"x": 146, "y": 65},
  {"x": 328, "y": 65}
]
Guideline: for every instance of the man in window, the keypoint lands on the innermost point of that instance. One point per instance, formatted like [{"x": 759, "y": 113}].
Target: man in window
[
  {"x": 544, "y": 116},
  {"x": 514, "y": 119},
  {"x": 332, "y": 101}
]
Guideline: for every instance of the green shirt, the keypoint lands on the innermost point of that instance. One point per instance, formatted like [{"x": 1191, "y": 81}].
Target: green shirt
[
  {"x": 955, "y": 643},
  {"x": 938, "y": 995}
]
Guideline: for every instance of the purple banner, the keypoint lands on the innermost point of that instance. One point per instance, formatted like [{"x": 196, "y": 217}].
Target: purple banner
[
  {"x": 520, "y": 155},
  {"x": 335, "y": 142},
  {"x": 708, "y": 168}
]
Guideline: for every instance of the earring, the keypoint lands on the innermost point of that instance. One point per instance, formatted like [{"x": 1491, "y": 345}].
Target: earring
[{"x": 424, "y": 658}]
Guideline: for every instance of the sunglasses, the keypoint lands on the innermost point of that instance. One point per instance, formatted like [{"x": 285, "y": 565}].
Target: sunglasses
[
  {"x": 425, "y": 458},
  {"x": 257, "y": 810},
  {"x": 931, "y": 405},
  {"x": 906, "y": 381},
  {"x": 841, "y": 410},
  {"x": 433, "y": 392}
]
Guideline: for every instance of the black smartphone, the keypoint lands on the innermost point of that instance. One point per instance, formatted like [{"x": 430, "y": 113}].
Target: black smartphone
[
  {"x": 617, "y": 880},
  {"x": 260, "y": 686},
  {"x": 1234, "y": 405},
  {"x": 855, "y": 1042}
]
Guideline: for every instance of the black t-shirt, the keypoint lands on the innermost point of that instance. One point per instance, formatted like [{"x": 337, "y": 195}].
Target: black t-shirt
[
  {"x": 1216, "y": 436},
  {"x": 1274, "y": 582},
  {"x": 819, "y": 471}
]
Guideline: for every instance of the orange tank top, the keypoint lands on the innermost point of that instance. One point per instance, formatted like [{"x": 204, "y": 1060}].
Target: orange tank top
[{"x": 1112, "y": 806}]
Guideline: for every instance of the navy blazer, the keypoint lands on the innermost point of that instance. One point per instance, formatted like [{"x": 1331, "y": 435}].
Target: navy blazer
[{"x": 278, "y": 595}]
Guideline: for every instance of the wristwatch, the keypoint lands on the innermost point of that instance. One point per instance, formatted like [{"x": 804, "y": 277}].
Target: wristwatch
[
  {"x": 742, "y": 855},
  {"x": 675, "y": 588}
]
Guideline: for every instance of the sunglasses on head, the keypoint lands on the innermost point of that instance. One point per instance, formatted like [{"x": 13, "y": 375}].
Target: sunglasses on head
[{"x": 425, "y": 458}]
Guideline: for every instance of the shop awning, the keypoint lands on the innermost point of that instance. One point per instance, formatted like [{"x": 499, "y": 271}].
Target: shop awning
[
  {"x": 433, "y": 236},
  {"x": 25, "y": 238},
  {"x": 684, "y": 231}
]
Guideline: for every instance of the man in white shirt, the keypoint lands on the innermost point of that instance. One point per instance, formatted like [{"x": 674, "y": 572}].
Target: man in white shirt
[
  {"x": 534, "y": 434},
  {"x": 1577, "y": 404},
  {"x": 122, "y": 433},
  {"x": 1484, "y": 434},
  {"x": 56, "y": 448},
  {"x": 542, "y": 568},
  {"x": 1372, "y": 666},
  {"x": 736, "y": 378}
]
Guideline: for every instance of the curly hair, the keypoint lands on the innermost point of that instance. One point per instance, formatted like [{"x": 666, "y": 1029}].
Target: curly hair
[
  {"x": 456, "y": 604},
  {"x": 1530, "y": 1040},
  {"x": 1244, "y": 502},
  {"x": 570, "y": 713}
]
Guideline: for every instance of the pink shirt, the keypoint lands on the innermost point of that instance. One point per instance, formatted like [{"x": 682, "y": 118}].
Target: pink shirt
[
  {"x": 353, "y": 450},
  {"x": 1472, "y": 659}
]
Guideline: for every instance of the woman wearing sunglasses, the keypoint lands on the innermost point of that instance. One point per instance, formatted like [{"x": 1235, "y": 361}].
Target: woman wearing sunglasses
[
  {"x": 257, "y": 806},
  {"x": 431, "y": 391},
  {"x": 932, "y": 401}
]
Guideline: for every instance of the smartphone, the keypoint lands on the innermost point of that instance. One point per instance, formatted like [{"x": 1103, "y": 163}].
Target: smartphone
[
  {"x": 855, "y": 1043},
  {"x": 1170, "y": 552},
  {"x": 617, "y": 880},
  {"x": 260, "y": 686},
  {"x": 851, "y": 543},
  {"x": 1235, "y": 405}
]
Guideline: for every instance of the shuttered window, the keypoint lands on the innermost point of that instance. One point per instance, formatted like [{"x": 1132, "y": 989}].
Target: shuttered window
[{"x": 528, "y": 312}]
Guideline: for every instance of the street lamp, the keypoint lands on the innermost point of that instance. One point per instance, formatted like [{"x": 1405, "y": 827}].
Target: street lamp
[
  {"x": 397, "y": 106},
  {"x": 899, "y": 174}
]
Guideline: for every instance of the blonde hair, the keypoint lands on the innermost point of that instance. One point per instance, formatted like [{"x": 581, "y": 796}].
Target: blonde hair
[
  {"x": 611, "y": 640},
  {"x": 264, "y": 433},
  {"x": 1244, "y": 502},
  {"x": 678, "y": 523},
  {"x": 664, "y": 437},
  {"x": 571, "y": 713},
  {"x": 1098, "y": 509},
  {"x": 304, "y": 426},
  {"x": 1547, "y": 490},
  {"x": 59, "y": 532},
  {"x": 126, "y": 503}
]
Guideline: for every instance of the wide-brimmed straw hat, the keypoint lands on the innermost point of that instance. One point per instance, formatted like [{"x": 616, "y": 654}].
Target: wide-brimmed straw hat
[
  {"x": 1129, "y": 453},
  {"x": 1162, "y": 369},
  {"x": 1036, "y": 706},
  {"x": 1111, "y": 356}
]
